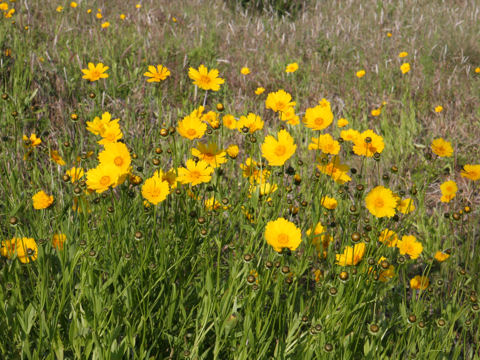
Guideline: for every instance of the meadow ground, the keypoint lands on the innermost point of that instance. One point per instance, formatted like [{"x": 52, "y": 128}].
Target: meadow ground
[{"x": 335, "y": 214}]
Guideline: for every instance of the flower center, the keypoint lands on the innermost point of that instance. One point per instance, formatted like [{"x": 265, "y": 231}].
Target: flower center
[
  {"x": 105, "y": 180},
  {"x": 283, "y": 238},
  {"x": 280, "y": 150},
  {"x": 195, "y": 174},
  {"x": 191, "y": 132},
  {"x": 379, "y": 203},
  {"x": 118, "y": 161},
  {"x": 319, "y": 121},
  {"x": 204, "y": 79},
  {"x": 280, "y": 105}
]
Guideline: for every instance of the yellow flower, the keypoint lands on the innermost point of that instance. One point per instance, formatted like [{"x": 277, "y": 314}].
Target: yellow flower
[
  {"x": 342, "y": 122},
  {"x": 368, "y": 143},
  {"x": 419, "y": 282},
  {"x": 157, "y": 74},
  {"x": 232, "y": 151},
  {"x": 260, "y": 90},
  {"x": 336, "y": 170},
  {"x": 318, "y": 117},
  {"x": 34, "y": 140},
  {"x": 381, "y": 202},
  {"x": 245, "y": 71},
  {"x": 155, "y": 189},
  {"x": 253, "y": 171},
  {"x": 105, "y": 25},
  {"x": 438, "y": 108},
  {"x": 389, "y": 34},
  {"x": 102, "y": 177},
  {"x": 75, "y": 174},
  {"x": 471, "y": 172},
  {"x": 99, "y": 15},
  {"x": 195, "y": 174},
  {"x": 24, "y": 248},
  {"x": 277, "y": 152},
  {"x": 388, "y": 237},
  {"x": 112, "y": 134},
  {"x": 441, "y": 256},
  {"x": 263, "y": 189},
  {"x": 325, "y": 143},
  {"x": 290, "y": 117},
  {"x": 98, "y": 126},
  {"x": 116, "y": 154},
  {"x": 405, "y": 68},
  {"x": 73, "y": 4},
  {"x": 212, "y": 155},
  {"x": 55, "y": 156},
  {"x": 211, "y": 118},
  {"x": 406, "y": 206},
  {"x": 403, "y": 54},
  {"x": 229, "y": 122},
  {"x": 170, "y": 176},
  {"x": 41, "y": 200},
  {"x": 410, "y": 246},
  {"x": 9, "y": 13},
  {"x": 449, "y": 190},
  {"x": 477, "y": 70},
  {"x": 252, "y": 121},
  {"x": 138, "y": 6},
  {"x": 58, "y": 240},
  {"x": 191, "y": 127},
  {"x": 59, "y": 8},
  {"x": 351, "y": 255},
  {"x": 122, "y": 16},
  {"x": 360, "y": 73},
  {"x": 281, "y": 234},
  {"x": 291, "y": 68},
  {"x": 442, "y": 147},
  {"x": 212, "y": 204},
  {"x": 376, "y": 112},
  {"x": 279, "y": 101},
  {"x": 349, "y": 135},
  {"x": 204, "y": 79},
  {"x": 328, "y": 202},
  {"x": 95, "y": 72}
]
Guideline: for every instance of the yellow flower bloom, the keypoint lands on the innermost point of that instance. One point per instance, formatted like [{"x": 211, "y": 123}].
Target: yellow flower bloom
[
  {"x": 59, "y": 8},
  {"x": 95, "y": 72},
  {"x": 116, "y": 154},
  {"x": 389, "y": 34},
  {"x": 58, "y": 240},
  {"x": 195, "y": 174},
  {"x": 405, "y": 68},
  {"x": 471, "y": 172},
  {"x": 477, "y": 70},
  {"x": 342, "y": 122},
  {"x": 99, "y": 126},
  {"x": 290, "y": 117},
  {"x": 291, "y": 68},
  {"x": 155, "y": 190},
  {"x": 260, "y": 90},
  {"x": 279, "y": 101},
  {"x": 138, "y": 6},
  {"x": 376, "y": 112},
  {"x": 410, "y": 246},
  {"x": 212, "y": 204},
  {"x": 34, "y": 140},
  {"x": 318, "y": 117},
  {"x": 229, "y": 122},
  {"x": 73, "y": 4},
  {"x": 55, "y": 156},
  {"x": 253, "y": 171},
  {"x": 449, "y": 190},
  {"x": 102, "y": 177},
  {"x": 360, "y": 73},
  {"x": 24, "y": 248},
  {"x": 277, "y": 152},
  {"x": 157, "y": 74},
  {"x": 381, "y": 202},
  {"x": 368, "y": 143},
  {"x": 9, "y": 13},
  {"x": 388, "y": 237},
  {"x": 245, "y": 71},
  {"x": 351, "y": 255},
  {"x": 210, "y": 153},
  {"x": 191, "y": 127},
  {"x": 406, "y": 206},
  {"x": 263, "y": 189},
  {"x": 170, "y": 176},
  {"x": 281, "y": 234},
  {"x": 112, "y": 134},
  {"x": 419, "y": 282},
  {"x": 403, "y": 54},
  {"x": 329, "y": 202},
  {"x": 41, "y": 200},
  {"x": 326, "y": 144},
  {"x": 252, "y": 121},
  {"x": 105, "y": 25},
  {"x": 211, "y": 118},
  {"x": 441, "y": 256},
  {"x": 232, "y": 151},
  {"x": 442, "y": 147},
  {"x": 337, "y": 171},
  {"x": 204, "y": 79},
  {"x": 438, "y": 108},
  {"x": 75, "y": 174},
  {"x": 99, "y": 15},
  {"x": 122, "y": 16},
  {"x": 349, "y": 135}
]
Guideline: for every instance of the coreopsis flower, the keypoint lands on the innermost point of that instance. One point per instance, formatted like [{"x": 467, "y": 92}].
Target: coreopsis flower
[
  {"x": 405, "y": 68},
  {"x": 58, "y": 240},
  {"x": 253, "y": 170},
  {"x": 318, "y": 117},
  {"x": 259, "y": 91},
  {"x": 351, "y": 255},
  {"x": 245, "y": 71},
  {"x": 55, "y": 157},
  {"x": 291, "y": 68},
  {"x": 204, "y": 79},
  {"x": 9, "y": 13},
  {"x": 328, "y": 202},
  {"x": 170, "y": 176},
  {"x": 105, "y": 25},
  {"x": 118, "y": 155},
  {"x": 477, "y": 70},
  {"x": 471, "y": 172},
  {"x": 24, "y": 248},
  {"x": 191, "y": 127},
  {"x": 326, "y": 144},
  {"x": 281, "y": 234},
  {"x": 112, "y": 134},
  {"x": 388, "y": 237},
  {"x": 410, "y": 246},
  {"x": 75, "y": 174},
  {"x": 449, "y": 190},
  {"x": 279, "y": 101},
  {"x": 336, "y": 170},
  {"x": 442, "y": 148},
  {"x": 95, "y": 72},
  {"x": 403, "y": 54},
  {"x": 360, "y": 73},
  {"x": 381, "y": 202},
  {"x": 212, "y": 204},
  {"x": 211, "y": 118},
  {"x": 99, "y": 126},
  {"x": 419, "y": 282},
  {"x": 138, "y": 6},
  {"x": 263, "y": 189},
  {"x": 122, "y": 16},
  {"x": 41, "y": 200},
  {"x": 229, "y": 121},
  {"x": 290, "y": 117},
  {"x": 157, "y": 74},
  {"x": 406, "y": 206},
  {"x": 155, "y": 189},
  {"x": 210, "y": 153},
  {"x": 58, "y": 9},
  {"x": 33, "y": 141},
  {"x": 99, "y": 15},
  {"x": 342, "y": 122},
  {"x": 277, "y": 152},
  {"x": 349, "y": 135},
  {"x": 101, "y": 178},
  {"x": 195, "y": 173},
  {"x": 73, "y": 4},
  {"x": 368, "y": 143},
  {"x": 438, "y": 109},
  {"x": 441, "y": 256},
  {"x": 232, "y": 151},
  {"x": 252, "y": 121},
  {"x": 376, "y": 112}
]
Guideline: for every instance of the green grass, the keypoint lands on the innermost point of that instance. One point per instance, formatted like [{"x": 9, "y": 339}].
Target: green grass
[{"x": 180, "y": 281}]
